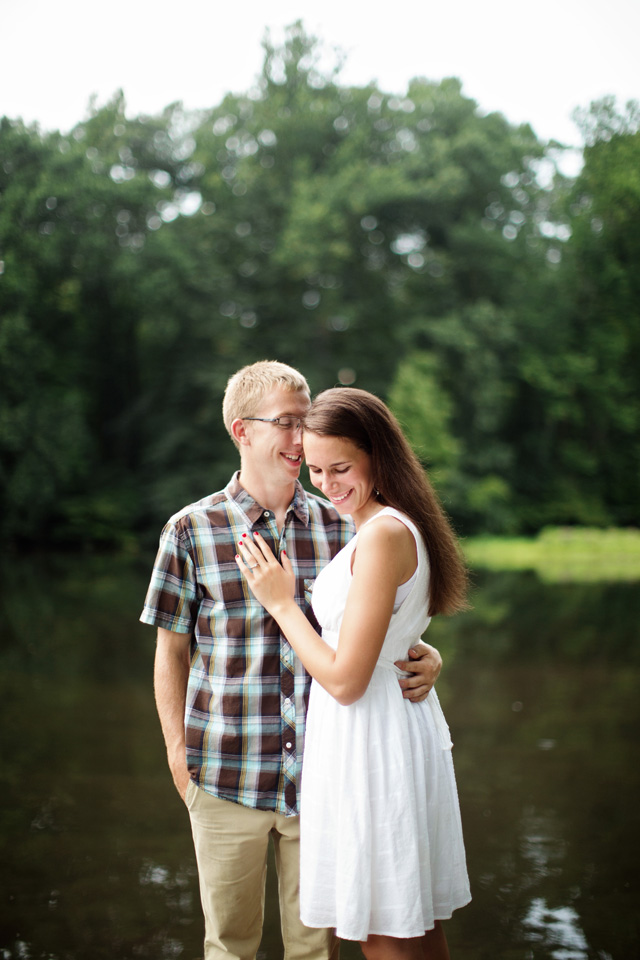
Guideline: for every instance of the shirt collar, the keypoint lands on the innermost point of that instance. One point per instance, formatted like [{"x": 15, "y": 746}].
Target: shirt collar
[{"x": 253, "y": 510}]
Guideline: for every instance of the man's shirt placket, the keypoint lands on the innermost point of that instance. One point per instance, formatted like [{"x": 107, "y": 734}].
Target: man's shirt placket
[
  {"x": 288, "y": 796},
  {"x": 288, "y": 792}
]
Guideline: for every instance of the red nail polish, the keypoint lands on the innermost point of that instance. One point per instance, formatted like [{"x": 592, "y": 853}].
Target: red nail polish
[
  {"x": 244, "y": 534},
  {"x": 237, "y": 557}
]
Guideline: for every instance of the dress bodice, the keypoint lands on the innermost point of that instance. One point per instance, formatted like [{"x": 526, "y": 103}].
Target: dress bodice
[{"x": 409, "y": 620}]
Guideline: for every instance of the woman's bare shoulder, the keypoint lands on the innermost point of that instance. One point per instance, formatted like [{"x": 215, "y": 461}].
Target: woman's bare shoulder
[{"x": 386, "y": 530}]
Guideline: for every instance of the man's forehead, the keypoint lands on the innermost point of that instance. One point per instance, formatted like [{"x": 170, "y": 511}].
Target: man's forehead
[{"x": 286, "y": 401}]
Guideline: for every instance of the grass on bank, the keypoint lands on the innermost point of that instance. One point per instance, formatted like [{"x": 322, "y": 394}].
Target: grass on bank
[{"x": 562, "y": 554}]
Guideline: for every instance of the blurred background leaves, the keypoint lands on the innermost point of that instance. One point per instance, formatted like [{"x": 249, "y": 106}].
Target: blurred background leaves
[{"x": 410, "y": 246}]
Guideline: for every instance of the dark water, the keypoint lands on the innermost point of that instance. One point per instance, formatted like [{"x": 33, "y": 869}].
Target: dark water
[{"x": 541, "y": 690}]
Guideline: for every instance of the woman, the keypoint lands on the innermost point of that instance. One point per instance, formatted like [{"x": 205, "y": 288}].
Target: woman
[{"x": 382, "y": 856}]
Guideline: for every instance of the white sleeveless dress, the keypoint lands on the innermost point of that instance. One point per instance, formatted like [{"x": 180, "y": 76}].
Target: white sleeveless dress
[{"x": 381, "y": 839}]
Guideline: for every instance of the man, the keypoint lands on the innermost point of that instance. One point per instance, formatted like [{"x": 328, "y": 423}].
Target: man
[{"x": 230, "y": 693}]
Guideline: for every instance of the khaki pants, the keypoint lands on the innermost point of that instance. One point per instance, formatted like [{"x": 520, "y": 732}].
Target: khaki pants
[{"x": 231, "y": 843}]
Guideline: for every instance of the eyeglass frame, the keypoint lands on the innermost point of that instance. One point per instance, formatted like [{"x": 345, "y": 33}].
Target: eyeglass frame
[{"x": 298, "y": 421}]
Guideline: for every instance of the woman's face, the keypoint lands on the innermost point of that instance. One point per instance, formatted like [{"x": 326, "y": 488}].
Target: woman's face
[{"x": 342, "y": 471}]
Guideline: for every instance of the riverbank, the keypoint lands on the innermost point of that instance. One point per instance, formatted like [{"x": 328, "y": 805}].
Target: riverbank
[{"x": 562, "y": 554}]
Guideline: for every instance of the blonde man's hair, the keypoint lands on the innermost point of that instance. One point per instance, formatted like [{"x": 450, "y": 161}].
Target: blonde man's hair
[{"x": 246, "y": 389}]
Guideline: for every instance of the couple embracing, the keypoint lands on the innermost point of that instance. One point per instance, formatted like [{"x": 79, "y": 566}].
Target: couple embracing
[{"x": 366, "y": 831}]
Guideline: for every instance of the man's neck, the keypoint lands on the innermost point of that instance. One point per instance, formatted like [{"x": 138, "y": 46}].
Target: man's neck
[{"x": 275, "y": 498}]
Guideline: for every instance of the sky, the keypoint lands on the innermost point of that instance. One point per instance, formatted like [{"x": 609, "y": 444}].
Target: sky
[{"x": 532, "y": 62}]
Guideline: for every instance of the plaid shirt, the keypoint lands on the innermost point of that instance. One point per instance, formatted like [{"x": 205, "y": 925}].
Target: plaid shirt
[{"x": 247, "y": 692}]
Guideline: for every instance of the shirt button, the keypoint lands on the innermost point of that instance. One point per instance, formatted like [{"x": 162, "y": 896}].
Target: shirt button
[
  {"x": 287, "y": 701},
  {"x": 288, "y": 746},
  {"x": 267, "y": 514}
]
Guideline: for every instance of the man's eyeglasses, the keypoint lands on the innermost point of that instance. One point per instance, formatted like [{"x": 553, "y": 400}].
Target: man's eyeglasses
[{"x": 285, "y": 423}]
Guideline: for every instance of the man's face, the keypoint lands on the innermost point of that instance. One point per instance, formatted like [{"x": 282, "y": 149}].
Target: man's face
[{"x": 274, "y": 450}]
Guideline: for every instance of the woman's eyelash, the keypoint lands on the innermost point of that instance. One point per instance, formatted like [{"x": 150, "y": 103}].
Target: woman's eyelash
[{"x": 336, "y": 470}]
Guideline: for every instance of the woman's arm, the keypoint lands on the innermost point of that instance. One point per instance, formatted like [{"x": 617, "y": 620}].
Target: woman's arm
[{"x": 385, "y": 557}]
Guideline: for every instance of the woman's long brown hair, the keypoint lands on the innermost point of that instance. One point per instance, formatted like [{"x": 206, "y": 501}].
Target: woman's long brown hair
[{"x": 400, "y": 480}]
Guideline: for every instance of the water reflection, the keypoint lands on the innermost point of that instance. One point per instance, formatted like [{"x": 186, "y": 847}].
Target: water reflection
[
  {"x": 540, "y": 687},
  {"x": 557, "y": 928}
]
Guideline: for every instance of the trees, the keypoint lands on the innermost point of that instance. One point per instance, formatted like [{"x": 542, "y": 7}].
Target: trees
[
  {"x": 579, "y": 380},
  {"x": 605, "y": 287},
  {"x": 45, "y": 444},
  {"x": 401, "y": 243}
]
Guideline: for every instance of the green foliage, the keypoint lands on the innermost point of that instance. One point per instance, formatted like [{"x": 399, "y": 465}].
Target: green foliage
[
  {"x": 562, "y": 554},
  {"x": 424, "y": 411},
  {"x": 584, "y": 389},
  {"x": 403, "y": 244}
]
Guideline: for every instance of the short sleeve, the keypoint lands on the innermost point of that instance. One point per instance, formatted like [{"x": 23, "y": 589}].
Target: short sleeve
[{"x": 172, "y": 595}]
